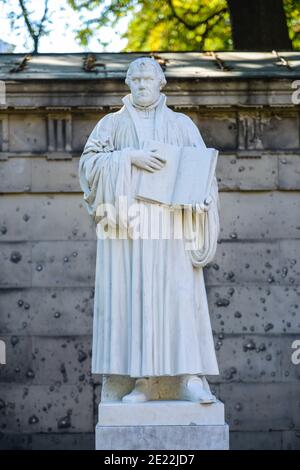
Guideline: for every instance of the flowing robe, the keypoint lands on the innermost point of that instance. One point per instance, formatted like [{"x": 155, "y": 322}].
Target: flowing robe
[{"x": 150, "y": 309}]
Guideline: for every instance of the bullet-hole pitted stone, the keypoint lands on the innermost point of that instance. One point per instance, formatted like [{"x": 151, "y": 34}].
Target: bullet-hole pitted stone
[
  {"x": 268, "y": 327},
  {"x": 249, "y": 345},
  {"x": 26, "y": 306},
  {"x": 39, "y": 267},
  {"x": 66, "y": 259},
  {"x": 57, "y": 314},
  {"x": 284, "y": 272},
  {"x": 14, "y": 340},
  {"x": 3, "y": 230},
  {"x": 81, "y": 355},
  {"x": 33, "y": 419},
  {"x": 229, "y": 373},
  {"x": 15, "y": 257},
  {"x": 26, "y": 217},
  {"x": 237, "y": 314},
  {"x": 230, "y": 276},
  {"x": 2, "y": 404},
  {"x": 65, "y": 422},
  {"x": 20, "y": 302},
  {"x": 233, "y": 235},
  {"x": 30, "y": 374},
  {"x": 222, "y": 303}
]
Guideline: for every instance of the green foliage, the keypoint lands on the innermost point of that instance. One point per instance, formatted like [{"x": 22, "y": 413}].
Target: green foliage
[
  {"x": 292, "y": 11},
  {"x": 175, "y": 25},
  {"x": 198, "y": 25},
  {"x": 154, "y": 25}
]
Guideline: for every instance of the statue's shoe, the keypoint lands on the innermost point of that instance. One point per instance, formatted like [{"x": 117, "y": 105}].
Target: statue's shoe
[
  {"x": 194, "y": 388},
  {"x": 139, "y": 394}
]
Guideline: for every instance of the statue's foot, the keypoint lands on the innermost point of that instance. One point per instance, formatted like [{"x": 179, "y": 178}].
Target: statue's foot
[
  {"x": 139, "y": 394},
  {"x": 196, "y": 389}
]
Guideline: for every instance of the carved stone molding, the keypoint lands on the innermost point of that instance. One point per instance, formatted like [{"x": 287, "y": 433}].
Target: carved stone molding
[
  {"x": 59, "y": 136},
  {"x": 250, "y": 129},
  {"x": 4, "y": 137}
]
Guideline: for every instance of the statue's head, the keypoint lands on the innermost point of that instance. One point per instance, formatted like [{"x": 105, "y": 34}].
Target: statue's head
[{"x": 145, "y": 79}]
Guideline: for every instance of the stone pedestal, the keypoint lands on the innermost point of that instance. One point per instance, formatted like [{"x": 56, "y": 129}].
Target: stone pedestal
[{"x": 155, "y": 425}]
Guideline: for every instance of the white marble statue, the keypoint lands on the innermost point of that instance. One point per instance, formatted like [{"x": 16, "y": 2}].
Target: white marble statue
[{"x": 151, "y": 315}]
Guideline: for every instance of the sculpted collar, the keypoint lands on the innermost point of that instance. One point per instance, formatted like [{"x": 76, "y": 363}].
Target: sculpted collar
[{"x": 161, "y": 100}]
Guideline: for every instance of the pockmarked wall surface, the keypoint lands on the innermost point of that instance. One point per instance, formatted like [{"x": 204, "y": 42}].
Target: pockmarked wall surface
[{"x": 247, "y": 106}]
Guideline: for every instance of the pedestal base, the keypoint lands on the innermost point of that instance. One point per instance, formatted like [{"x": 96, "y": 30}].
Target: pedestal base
[
  {"x": 156, "y": 425},
  {"x": 162, "y": 437}
]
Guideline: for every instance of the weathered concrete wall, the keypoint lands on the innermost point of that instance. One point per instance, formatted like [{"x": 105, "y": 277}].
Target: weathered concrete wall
[{"x": 48, "y": 397}]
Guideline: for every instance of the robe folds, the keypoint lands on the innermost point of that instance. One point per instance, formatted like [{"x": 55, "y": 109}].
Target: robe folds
[{"x": 151, "y": 315}]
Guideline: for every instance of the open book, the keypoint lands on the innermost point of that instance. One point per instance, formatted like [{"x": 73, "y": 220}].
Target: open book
[{"x": 185, "y": 179}]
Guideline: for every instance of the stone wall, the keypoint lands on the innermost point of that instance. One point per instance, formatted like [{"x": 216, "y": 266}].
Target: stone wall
[{"x": 48, "y": 398}]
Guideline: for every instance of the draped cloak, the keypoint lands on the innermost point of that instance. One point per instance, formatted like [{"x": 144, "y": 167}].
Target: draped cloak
[{"x": 151, "y": 315}]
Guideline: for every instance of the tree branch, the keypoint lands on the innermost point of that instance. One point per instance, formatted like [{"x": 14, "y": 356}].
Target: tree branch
[
  {"x": 26, "y": 18},
  {"x": 208, "y": 28},
  {"x": 190, "y": 26},
  {"x": 43, "y": 18}
]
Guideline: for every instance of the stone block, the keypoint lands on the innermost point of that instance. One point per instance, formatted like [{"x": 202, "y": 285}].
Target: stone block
[
  {"x": 47, "y": 441},
  {"x": 250, "y": 440},
  {"x": 15, "y": 262},
  {"x": 261, "y": 407},
  {"x": 82, "y": 125},
  {"x": 291, "y": 440},
  {"x": 27, "y": 133},
  {"x": 161, "y": 413},
  {"x": 289, "y": 172},
  {"x": 280, "y": 131},
  {"x": 217, "y": 130},
  {"x": 273, "y": 215},
  {"x": 15, "y": 176},
  {"x": 46, "y": 217},
  {"x": 247, "y": 174},
  {"x": 66, "y": 360},
  {"x": 250, "y": 358},
  {"x": 55, "y": 176},
  {"x": 289, "y": 252},
  {"x": 43, "y": 408},
  {"x": 18, "y": 367},
  {"x": 43, "y": 311},
  {"x": 162, "y": 437},
  {"x": 63, "y": 264},
  {"x": 255, "y": 308},
  {"x": 242, "y": 262}
]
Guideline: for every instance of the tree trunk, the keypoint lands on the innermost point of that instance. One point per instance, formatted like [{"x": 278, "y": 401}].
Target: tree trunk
[
  {"x": 259, "y": 25},
  {"x": 35, "y": 44}
]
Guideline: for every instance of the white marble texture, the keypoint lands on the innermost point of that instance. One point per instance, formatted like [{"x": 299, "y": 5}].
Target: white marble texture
[{"x": 161, "y": 412}]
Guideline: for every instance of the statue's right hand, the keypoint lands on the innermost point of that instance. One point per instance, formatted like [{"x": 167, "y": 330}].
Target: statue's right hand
[{"x": 147, "y": 159}]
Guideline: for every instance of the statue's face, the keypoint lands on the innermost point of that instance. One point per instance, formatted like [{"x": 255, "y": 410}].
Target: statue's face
[{"x": 144, "y": 86}]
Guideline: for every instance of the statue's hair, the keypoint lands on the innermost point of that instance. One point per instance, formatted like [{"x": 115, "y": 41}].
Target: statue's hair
[{"x": 142, "y": 62}]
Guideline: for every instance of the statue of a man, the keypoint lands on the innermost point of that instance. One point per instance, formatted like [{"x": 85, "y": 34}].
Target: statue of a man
[{"x": 151, "y": 315}]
